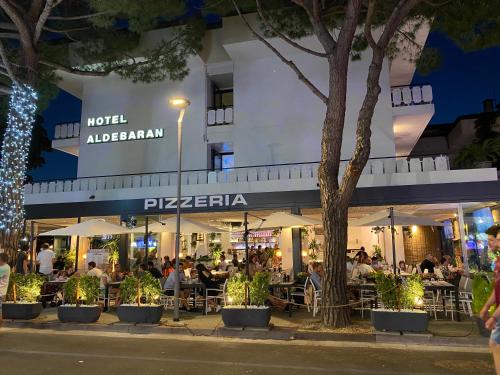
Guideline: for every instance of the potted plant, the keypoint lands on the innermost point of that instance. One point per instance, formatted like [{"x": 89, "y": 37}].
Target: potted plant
[
  {"x": 480, "y": 154},
  {"x": 139, "y": 296},
  {"x": 399, "y": 297},
  {"x": 80, "y": 296},
  {"x": 245, "y": 301},
  {"x": 23, "y": 291},
  {"x": 482, "y": 287}
]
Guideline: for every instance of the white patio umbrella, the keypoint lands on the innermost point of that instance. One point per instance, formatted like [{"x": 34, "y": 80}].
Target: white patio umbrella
[
  {"x": 383, "y": 218},
  {"x": 187, "y": 226},
  {"x": 283, "y": 219},
  {"x": 89, "y": 228}
]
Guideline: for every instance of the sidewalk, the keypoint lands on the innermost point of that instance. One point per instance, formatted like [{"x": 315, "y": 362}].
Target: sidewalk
[{"x": 302, "y": 326}]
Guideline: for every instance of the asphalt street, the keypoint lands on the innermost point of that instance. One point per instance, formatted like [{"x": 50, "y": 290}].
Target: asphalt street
[{"x": 25, "y": 352}]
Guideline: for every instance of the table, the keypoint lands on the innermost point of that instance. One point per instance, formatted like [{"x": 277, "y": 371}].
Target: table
[
  {"x": 288, "y": 285},
  {"x": 431, "y": 286},
  {"x": 196, "y": 286},
  {"x": 115, "y": 284}
]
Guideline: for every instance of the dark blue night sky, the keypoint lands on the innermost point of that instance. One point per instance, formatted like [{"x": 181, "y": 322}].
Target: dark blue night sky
[{"x": 459, "y": 86}]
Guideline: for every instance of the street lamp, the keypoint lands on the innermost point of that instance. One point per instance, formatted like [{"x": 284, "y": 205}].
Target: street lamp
[{"x": 181, "y": 104}]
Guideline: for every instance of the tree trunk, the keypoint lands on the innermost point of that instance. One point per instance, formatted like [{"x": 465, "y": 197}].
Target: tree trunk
[
  {"x": 334, "y": 283},
  {"x": 335, "y": 208},
  {"x": 15, "y": 148}
]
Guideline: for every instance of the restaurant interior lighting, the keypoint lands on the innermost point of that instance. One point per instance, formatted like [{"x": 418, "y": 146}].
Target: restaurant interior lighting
[
  {"x": 304, "y": 253},
  {"x": 414, "y": 229}
]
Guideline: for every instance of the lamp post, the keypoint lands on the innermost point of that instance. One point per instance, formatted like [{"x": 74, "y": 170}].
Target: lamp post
[{"x": 181, "y": 104}]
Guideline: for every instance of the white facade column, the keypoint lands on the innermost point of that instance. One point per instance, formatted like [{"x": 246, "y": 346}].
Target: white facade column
[{"x": 286, "y": 248}]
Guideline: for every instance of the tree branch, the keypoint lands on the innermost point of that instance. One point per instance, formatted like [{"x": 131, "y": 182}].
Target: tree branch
[
  {"x": 9, "y": 36},
  {"x": 313, "y": 10},
  {"x": 283, "y": 36},
  {"x": 68, "y": 69},
  {"x": 6, "y": 64},
  {"x": 368, "y": 24},
  {"x": 64, "y": 31},
  {"x": 5, "y": 90},
  {"x": 290, "y": 63},
  {"x": 18, "y": 21},
  {"x": 398, "y": 14},
  {"x": 7, "y": 26},
  {"x": 42, "y": 19},
  {"x": 75, "y": 18}
]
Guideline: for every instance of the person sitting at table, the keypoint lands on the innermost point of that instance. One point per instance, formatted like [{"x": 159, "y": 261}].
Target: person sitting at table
[
  {"x": 254, "y": 265},
  {"x": 93, "y": 270},
  {"x": 210, "y": 283},
  {"x": 166, "y": 262},
  {"x": 62, "y": 276},
  {"x": 154, "y": 271},
  {"x": 142, "y": 268},
  {"x": 363, "y": 268},
  {"x": 169, "y": 287},
  {"x": 222, "y": 266},
  {"x": 235, "y": 261},
  {"x": 317, "y": 275},
  {"x": 117, "y": 275},
  {"x": 402, "y": 266},
  {"x": 428, "y": 264}
]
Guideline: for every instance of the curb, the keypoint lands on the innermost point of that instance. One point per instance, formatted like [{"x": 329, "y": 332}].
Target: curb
[{"x": 273, "y": 334}]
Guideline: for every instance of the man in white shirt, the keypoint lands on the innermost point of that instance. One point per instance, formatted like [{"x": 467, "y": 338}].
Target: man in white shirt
[
  {"x": 45, "y": 258},
  {"x": 94, "y": 271},
  {"x": 4, "y": 279}
]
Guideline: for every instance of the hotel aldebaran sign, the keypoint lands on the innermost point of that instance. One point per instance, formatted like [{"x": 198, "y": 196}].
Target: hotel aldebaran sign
[{"x": 119, "y": 136}]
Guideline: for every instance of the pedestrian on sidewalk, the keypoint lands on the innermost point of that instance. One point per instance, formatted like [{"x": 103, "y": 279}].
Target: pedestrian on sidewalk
[
  {"x": 4, "y": 279},
  {"x": 493, "y": 321}
]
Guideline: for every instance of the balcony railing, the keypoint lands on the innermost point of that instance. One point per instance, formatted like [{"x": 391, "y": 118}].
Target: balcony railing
[
  {"x": 67, "y": 130},
  {"x": 220, "y": 116},
  {"x": 252, "y": 174},
  {"x": 403, "y": 96}
]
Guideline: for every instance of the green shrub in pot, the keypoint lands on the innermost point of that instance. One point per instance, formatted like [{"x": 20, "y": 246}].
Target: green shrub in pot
[
  {"x": 259, "y": 288},
  {"x": 25, "y": 288},
  {"x": 143, "y": 289},
  {"x": 22, "y": 297},
  {"x": 81, "y": 290}
]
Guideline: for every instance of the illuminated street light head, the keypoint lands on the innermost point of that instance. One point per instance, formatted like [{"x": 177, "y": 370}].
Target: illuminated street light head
[{"x": 179, "y": 103}]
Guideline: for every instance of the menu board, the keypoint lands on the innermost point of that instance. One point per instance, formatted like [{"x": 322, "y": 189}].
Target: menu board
[{"x": 99, "y": 256}]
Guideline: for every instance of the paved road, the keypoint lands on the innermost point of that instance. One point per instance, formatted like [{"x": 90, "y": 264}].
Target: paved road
[{"x": 32, "y": 353}]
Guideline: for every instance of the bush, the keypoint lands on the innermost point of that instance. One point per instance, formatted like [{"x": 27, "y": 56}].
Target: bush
[
  {"x": 142, "y": 289},
  {"x": 82, "y": 290},
  {"x": 27, "y": 287},
  {"x": 258, "y": 289},
  {"x": 235, "y": 289},
  {"x": 482, "y": 287},
  {"x": 397, "y": 293}
]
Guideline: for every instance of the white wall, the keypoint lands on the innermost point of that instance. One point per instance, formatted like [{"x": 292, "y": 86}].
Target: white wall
[
  {"x": 276, "y": 118},
  {"x": 145, "y": 106}
]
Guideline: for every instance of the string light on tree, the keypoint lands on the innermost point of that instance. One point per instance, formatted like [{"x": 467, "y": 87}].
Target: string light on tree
[{"x": 15, "y": 147}]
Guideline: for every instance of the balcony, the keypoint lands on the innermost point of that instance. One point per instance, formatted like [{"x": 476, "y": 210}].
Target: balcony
[
  {"x": 67, "y": 138},
  {"x": 412, "y": 109},
  {"x": 220, "y": 116},
  {"x": 404, "y": 96}
]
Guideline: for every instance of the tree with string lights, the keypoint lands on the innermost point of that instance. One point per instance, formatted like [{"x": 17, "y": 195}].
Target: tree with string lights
[{"x": 41, "y": 38}]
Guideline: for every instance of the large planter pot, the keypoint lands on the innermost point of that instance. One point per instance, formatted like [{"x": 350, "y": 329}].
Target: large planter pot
[
  {"x": 140, "y": 314},
  {"x": 401, "y": 321},
  {"x": 483, "y": 331},
  {"x": 246, "y": 317},
  {"x": 21, "y": 310},
  {"x": 80, "y": 314}
]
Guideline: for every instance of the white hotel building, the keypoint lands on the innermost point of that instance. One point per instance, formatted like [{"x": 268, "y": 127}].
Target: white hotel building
[{"x": 251, "y": 142}]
